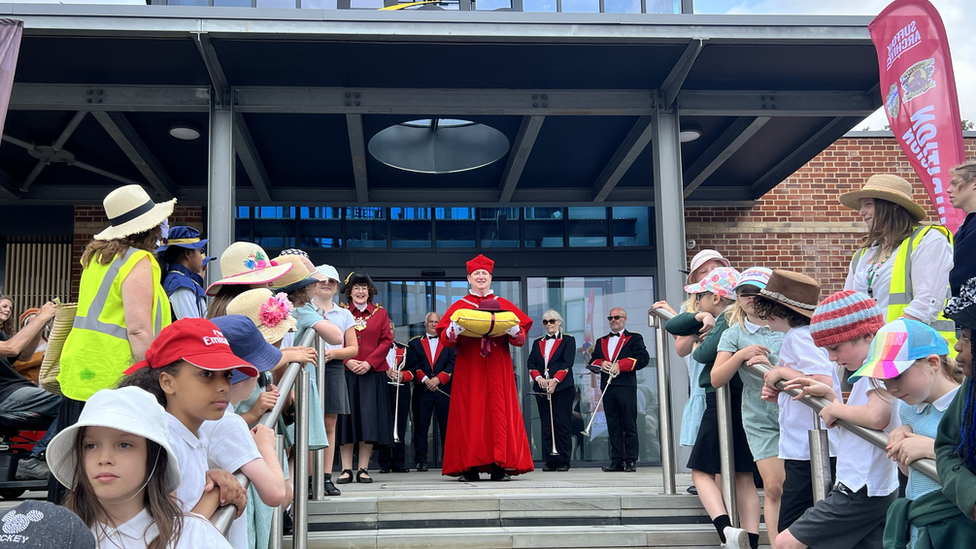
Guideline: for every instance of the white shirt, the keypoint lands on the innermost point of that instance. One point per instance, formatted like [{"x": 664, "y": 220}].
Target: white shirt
[
  {"x": 547, "y": 351},
  {"x": 141, "y": 529},
  {"x": 612, "y": 344},
  {"x": 191, "y": 454},
  {"x": 230, "y": 446},
  {"x": 185, "y": 304},
  {"x": 860, "y": 463},
  {"x": 340, "y": 317},
  {"x": 931, "y": 263},
  {"x": 795, "y": 418}
]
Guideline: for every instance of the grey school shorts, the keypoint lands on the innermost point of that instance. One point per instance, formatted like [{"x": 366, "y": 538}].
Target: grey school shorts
[{"x": 844, "y": 520}]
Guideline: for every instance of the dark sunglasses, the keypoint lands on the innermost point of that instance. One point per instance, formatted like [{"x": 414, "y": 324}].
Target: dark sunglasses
[
  {"x": 698, "y": 297},
  {"x": 615, "y": 317},
  {"x": 549, "y": 321}
]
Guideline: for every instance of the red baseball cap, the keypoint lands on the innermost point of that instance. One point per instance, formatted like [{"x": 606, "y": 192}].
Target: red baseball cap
[{"x": 197, "y": 341}]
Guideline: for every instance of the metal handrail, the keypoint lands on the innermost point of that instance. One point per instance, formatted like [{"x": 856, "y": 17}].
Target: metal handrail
[
  {"x": 926, "y": 466},
  {"x": 224, "y": 516},
  {"x": 664, "y": 402}
]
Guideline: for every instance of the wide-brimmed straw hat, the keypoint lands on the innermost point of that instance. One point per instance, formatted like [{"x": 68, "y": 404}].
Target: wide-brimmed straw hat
[
  {"x": 128, "y": 409},
  {"x": 794, "y": 290},
  {"x": 247, "y": 263},
  {"x": 888, "y": 187},
  {"x": 268, "y": 311},
  {"x": 296, "y": 278},
  {"x": 130, "y": 211}
]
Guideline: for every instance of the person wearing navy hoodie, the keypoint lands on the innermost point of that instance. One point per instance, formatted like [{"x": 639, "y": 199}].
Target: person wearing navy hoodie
[
  {"x": 183, "y": 255},
  {"x": 551, "y": 367},
  {"x": 962, "y": 194}
]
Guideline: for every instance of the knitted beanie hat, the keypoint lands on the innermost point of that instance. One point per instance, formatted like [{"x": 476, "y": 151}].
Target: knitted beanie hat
[{"x": 845, "y": 316}]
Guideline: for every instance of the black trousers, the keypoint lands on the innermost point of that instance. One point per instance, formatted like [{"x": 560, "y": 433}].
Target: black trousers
[
  {"x": 68, "y": 414},
  {"x": 425, "y": 404},
  {"x": 396, "y": 455},
  {"x": 562, "y": 417},
  {"x": 620, "y": 406}
]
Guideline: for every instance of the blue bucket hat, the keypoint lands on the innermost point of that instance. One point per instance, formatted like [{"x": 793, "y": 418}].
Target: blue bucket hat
[
  {"x": 182, "y": 236},
  {"x": 247, "y": 342}
]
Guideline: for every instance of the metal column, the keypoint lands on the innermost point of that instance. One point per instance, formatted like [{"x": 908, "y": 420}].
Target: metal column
[
  {"x": 669, "y": 223},
  {"x": 220, "y": 186}
]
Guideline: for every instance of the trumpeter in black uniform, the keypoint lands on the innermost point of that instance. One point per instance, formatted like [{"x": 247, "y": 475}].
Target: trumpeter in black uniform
[
  {"x": 393, "y": 458},
  {"x": 620, "y": 353},
  {"x": 551, "y": 366},
  {"x": 432, "y": 366}
]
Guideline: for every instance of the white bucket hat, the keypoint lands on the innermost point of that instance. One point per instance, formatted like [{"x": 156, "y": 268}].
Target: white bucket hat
[
  {"x": 131, "y": 211},
  {"x": 328, "y": 272},
  {"x": 128, "y": 409}
]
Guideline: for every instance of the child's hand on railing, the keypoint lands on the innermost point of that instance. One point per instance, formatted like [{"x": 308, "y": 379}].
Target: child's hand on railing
[
  {"x": 266, "y": 400},
  {"x": 811, "y": 387},
  {"x": 896, "y": 435},
  {"x": 829, "y": 414},
  {"x": 663, "y": 305},
  {"x": 264, "y": 438},
  {"x": 769, "y": 394},
  {"x": 301, "y": 355},
  {"x": 751, "y": 352},
  {"x": 911, "y": 448}
]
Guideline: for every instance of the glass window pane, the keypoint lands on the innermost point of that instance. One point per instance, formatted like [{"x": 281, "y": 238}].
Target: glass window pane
[
  {"x": 277, "y": 4},
  {"x": 587, "y": 227},
  {"x": 539, "y": 5},
  {"x": 543, "y": 227},
  {"x": 410, "y": 227},
  {"x": 492, "y": 5},
  {"x": 320, "y": 227},
  {"x": 584, "y": 303},
  {"x": 499, "y": 227},
  {"x": 455, "y": 227},
  {"x": 631, "y": 226},
  {"x": 581, "y": 6},
  {"x": 243, "y": 212},
  {"x": 372, "y": 4},
  {"x": 318, "y": 4},
  {"x": 274, "y": 212},
  {"x": 233, "y": 3},
  {"x": 622, "y": 6},
  {"x": 275, "y": 227},
  {"x": 365, "y": 227}
]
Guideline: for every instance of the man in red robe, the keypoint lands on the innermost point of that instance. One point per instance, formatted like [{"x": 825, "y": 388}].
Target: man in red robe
[{"x": 487, "y": 433}]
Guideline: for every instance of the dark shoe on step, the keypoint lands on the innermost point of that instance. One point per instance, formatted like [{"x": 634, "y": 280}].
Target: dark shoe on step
[
  {"x": 345, "y": 477},
  {"x": 499, "y": 475},
  {"x": 422, "y": 466},
  {"x": 399, "y": 469},
  {"x": 469, "y": 476},
  {"x": 630, "y": 466},
  {"x": 614, "y": 468},
  {"x": 692, "y": 490},
  {"x": 384, "y": 469},
  {"x": 363, "y": 477},
  {"x": 549, "y": 467},
  {"x": 330, "y": 489},
  {"x": 562, "y": 467}
]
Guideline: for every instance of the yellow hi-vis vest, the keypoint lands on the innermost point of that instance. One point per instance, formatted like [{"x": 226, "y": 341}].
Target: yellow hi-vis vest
[
  {"x": 97, "y": 350},
  {"x": 901, "y": 292}
]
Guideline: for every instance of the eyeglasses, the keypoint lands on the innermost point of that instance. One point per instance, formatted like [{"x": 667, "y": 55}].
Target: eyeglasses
[
  {"x": 549, "y": 321},
  {"x": 698, "y": 297},
  {"x": 615, "y": 317}
]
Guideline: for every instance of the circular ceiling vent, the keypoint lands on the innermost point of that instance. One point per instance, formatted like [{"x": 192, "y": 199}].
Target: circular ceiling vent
[{"x": 438, "y": 145}]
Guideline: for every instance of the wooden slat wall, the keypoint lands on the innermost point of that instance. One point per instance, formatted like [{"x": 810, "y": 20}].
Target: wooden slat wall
[{"x": 37, "y": 272}]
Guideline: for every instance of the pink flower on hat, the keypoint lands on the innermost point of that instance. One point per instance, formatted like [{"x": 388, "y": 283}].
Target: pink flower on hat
[
  {"x": 258, "y": 260},
  {"x": 276, "y": 309}
]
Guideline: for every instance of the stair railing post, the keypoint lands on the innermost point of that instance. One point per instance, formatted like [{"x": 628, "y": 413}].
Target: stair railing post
[{"x": 664, "y": 400}]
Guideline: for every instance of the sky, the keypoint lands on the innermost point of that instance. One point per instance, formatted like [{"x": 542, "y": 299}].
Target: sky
[{"x": 959, "y": 23}]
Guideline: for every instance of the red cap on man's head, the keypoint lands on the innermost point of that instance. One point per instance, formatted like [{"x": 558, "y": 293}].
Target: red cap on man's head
[
  {"x": 197, "y": 341},
  {"x": 480, "y": 262}
]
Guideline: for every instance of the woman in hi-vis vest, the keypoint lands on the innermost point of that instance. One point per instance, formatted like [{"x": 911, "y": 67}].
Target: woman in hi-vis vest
[
  {"x": 121, "y": 305},
  {"x": 902, "y": 264}
]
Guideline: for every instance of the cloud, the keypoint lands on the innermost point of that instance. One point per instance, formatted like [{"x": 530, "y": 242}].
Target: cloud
[{"x": 959, "y": 23}]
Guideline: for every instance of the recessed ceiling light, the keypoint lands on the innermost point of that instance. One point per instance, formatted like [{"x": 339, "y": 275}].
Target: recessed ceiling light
[
  {"x": 184, "y": 133},
  {"x": 689, "y": 134}
]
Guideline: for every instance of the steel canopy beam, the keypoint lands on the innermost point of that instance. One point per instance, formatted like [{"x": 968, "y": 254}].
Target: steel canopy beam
[
  {"x": 628, "y": 151},
  {"x": 357, "y": 151},
  {"x": 96, "y": 97},
  {"x": 217, "y": 76},
  {"x": 733, "y": 138},
  {"x": 7, "y": 186},
  {"x": 518, "y": 156},
  {"x": 126, "y": 137},
  {"x": 776, "y": 103},
  {"x": 680, "y": 71},
  {"x": 250, "y": 158}
]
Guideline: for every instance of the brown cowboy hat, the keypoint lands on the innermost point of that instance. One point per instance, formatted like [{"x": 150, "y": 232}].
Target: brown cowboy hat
[{"x": 794, "y": 290}]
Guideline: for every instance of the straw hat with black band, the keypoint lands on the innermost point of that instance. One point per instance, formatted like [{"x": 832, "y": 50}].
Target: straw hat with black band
[
  {"x": 888, "y": 187},
  {"x": 131, "y": 211}
]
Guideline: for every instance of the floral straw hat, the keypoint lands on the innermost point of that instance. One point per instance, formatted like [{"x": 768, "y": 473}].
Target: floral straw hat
[
  {"x": 246, "y": 263},
  {"x": 268, "y": 311}
]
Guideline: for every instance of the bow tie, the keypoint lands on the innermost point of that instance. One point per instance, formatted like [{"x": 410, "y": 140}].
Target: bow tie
[
  {"x": 431, "y": 337},
  {"x": 614, "y": 334},
  {"x": 550, "y": 337}
]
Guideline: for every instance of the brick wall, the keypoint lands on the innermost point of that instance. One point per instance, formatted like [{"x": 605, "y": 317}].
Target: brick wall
[
  {"x": 800, "y": 225},
  {"x": 91, "y": 220}
]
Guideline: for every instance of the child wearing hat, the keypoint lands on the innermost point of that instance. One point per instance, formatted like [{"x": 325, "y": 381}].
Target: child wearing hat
[
  {"x": 182, "y": 254},
  {"x": 798, "y": 357},
  {"x": 243, "y": 266},
  {"x": 749, "y": 337},
  {"x": 715, "y": 294},
  {"x": 912, "y": 361},
  {"x": 955, "y": 441},
  {"x": 853, "y": 513},
  {"x": 187, "y": 368},
  {"x": 232, "y": 445},
  {"x": 118, "y": 460}
]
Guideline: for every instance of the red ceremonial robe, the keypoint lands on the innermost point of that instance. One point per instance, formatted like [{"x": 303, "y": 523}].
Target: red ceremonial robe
[{"x": 485, "y": 418}]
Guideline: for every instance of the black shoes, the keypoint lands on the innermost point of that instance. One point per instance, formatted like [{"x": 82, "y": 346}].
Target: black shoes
[
  {"x": 630, "y": 466},
  {"x": 469, "y": 476},
  {"x": 692, "y": 490},
  {"x": 614, "y": 468},
  {"x": 399, "y": 469},
  {"x": 562, "y": 467},
  {"x": 549, "y": 467},
  {"x": 384, "y": 469},
  {"x": 363, "y": 477},
  {"x": 499, "y": 475},
  {"x": 345, "y": 477},
  {"x": 421, "y": 466},
  {"x": 330, "y": 489}
]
